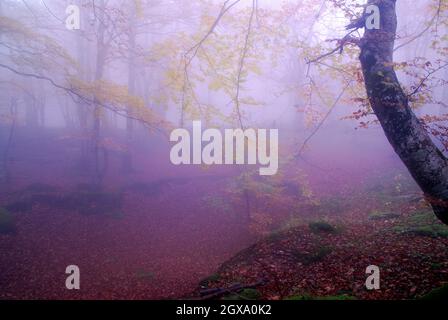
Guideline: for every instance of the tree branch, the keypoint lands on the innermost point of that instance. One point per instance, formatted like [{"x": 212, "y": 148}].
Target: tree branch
[{"x": 72, "y": 92}]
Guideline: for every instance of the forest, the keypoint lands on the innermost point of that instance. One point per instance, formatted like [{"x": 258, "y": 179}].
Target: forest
[{"x": 223, "y": 149}]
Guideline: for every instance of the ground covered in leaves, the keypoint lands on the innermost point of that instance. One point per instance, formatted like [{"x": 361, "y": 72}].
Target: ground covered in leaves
[
  {"x": 166, "y": 232},
  {"x": 328, "y": 259}
]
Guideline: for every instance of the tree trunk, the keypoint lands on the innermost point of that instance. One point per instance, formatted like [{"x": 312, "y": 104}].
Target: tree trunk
[
  {"x": 425, "y": 162},
  {"x": 99, "y": 71},
  {"x": 6, "y": 153},
  {"x": 127, "y": 155}
]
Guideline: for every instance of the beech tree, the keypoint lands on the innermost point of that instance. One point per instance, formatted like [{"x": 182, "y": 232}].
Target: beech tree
[{"x": 405, "y": 132}]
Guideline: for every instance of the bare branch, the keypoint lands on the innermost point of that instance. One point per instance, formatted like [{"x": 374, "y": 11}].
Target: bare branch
[
  {"x": 439, "y": 8},
  {"x": 240, "y": 69},
  {"x": 342, "y": 42},
  {"x": 298, "y": 154},
  {"x": 422, "y": 82}
]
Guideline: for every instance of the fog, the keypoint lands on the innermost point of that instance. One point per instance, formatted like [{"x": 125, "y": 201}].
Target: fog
[{"x": 86, "y": 114}]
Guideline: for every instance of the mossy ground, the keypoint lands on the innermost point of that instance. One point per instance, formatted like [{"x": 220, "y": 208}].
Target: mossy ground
[
  {"x": 422, "y": 224},
  {"x": 7, "y": 222}
]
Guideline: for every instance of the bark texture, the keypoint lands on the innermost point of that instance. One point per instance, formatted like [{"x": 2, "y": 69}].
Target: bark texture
[{"x": 406, "y": 134}]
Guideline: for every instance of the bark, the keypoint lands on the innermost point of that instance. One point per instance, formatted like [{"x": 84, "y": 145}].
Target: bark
[{"x": 406, "y": 134}]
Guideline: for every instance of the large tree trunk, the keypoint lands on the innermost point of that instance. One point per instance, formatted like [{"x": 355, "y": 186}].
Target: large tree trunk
[{"x": 408, "y": 137}]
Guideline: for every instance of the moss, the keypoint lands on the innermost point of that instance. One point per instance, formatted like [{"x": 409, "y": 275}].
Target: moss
[
  {"x": 422, "y": 217},
  {"x": 423, "y": 224},
  {"x": 437, "y": 294},
  {"x": 436, "y": 266},
  {"x": 429, "y": 231},
  {"x": 251, "y": 294},
  {"x": 7, "y": 223},
  {"x": 321, "y": 227},
  {"x": 308, "y": 258},
  {"x": 246, "y": 294},
  {"x": 378, "y": 215},
  {"x": 299, "y": 297},
  {"x": 432, "y": 231},
  {"x": 210, "y": 279}
]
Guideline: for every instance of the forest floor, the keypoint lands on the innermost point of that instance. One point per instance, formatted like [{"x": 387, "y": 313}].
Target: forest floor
[
  {"x": 328, "y": 260},
  {"x": 141, "y": 253},
  {"x": 169, "y": 234}
]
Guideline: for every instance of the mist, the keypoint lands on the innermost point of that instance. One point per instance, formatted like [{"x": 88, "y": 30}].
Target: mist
[{"x": 92, "y": 92}]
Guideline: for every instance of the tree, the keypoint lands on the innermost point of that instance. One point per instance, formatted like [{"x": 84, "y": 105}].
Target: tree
[
  {"x": 35, "y": 52},
  {"x": 405, "y": 132}
]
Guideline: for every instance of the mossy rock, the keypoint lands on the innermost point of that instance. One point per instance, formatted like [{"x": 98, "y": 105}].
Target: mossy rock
[
  {"x": 7, "y": 222},
  {"x": 321, "y": 227},
  {"x": 437, "y": 294}
]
